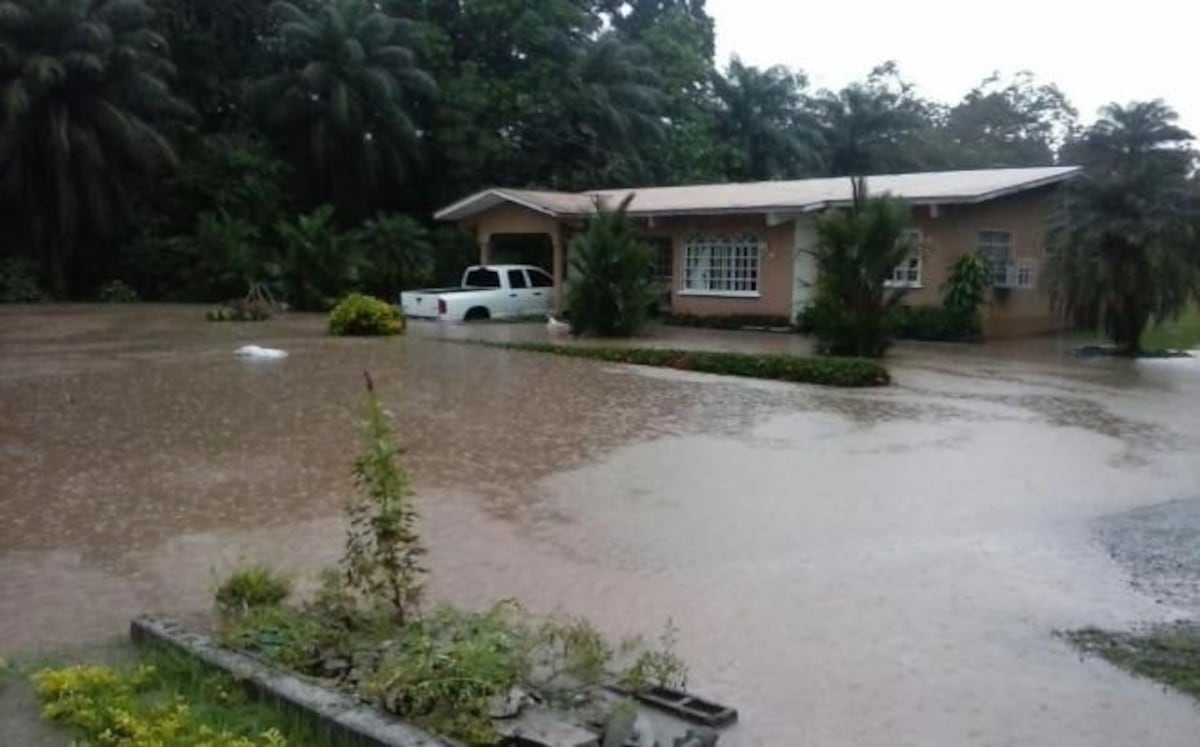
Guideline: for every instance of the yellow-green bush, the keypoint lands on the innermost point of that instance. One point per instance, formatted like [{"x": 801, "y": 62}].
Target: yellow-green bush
[
  {"x": 359, "y": 314},
  {"x": 112, "y": 707}
]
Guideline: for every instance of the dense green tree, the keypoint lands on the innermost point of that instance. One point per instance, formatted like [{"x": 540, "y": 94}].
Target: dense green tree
[
  {"x": 1007, "y": 123},
  {"x": 83, "y": 88},
  {"x": 874, "y": 126},
  {"x": 1126, "y": 250},
  {"x": 215, "y": 45},
  {"x": 339, "y": 97},
  {"x": 856, "y": 250},
  {"x": 398, "y": 252},
  {"x": 762, "y": 116}
]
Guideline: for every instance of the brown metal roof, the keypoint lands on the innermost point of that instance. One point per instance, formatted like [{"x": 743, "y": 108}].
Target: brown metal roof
[{"x": 803, "y": 195}]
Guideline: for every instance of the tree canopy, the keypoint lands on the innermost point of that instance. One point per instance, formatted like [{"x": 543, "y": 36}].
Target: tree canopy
[{"x": 395, "y": 107}]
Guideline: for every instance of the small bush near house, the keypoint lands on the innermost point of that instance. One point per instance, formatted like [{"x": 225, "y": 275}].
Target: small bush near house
[
  {"x": 832, "y": 371},
  {"x": 612, "y": 291},
  {"x": 240, "y": 310},
  {"x": 251, "y": 587},
  {"x": 19, "y": 281},
  {"x": 116, "y": 291},
  {"x": 358, "y": 314},
  {"x": 731, "y": 321},
  {"x": 930, "y": 323}
]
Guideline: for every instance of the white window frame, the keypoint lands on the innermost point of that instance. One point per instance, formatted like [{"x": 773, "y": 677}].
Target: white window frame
[
  {"x": 722, "y": 263},
  {"x": 901, "y": 273},
  {"x": 997, "y": 276}
]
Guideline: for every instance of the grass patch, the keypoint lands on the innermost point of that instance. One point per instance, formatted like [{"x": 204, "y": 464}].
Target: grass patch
[
  {"x": 1167, "y": 654},
  {"x": 253, "y": 586},
  {"x": 1181, "y": 334},
  {"x": 168, "y": 698},
  {"x": 827, "y": 371}
]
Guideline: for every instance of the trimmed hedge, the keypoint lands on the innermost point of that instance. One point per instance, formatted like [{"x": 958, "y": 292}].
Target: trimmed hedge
[
  {"x": 828, "y": 371},
  {"x": 933, "y": 323},
  {"x": 728, "y": 321}
]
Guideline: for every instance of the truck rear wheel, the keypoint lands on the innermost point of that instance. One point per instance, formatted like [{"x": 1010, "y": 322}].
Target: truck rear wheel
[{"x": 477, "y": 313}]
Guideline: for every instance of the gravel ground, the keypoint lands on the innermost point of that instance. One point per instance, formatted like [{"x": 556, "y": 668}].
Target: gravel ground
[{"x": 1160, "y": 545}]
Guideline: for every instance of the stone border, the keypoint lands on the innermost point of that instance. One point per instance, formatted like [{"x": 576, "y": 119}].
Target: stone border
[{"x": 340, "y": 715}]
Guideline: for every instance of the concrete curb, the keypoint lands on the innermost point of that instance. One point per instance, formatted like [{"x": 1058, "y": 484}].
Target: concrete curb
[{"x": 341, "y": 716}]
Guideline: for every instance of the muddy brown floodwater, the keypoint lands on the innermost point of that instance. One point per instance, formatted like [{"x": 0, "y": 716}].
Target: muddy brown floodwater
[{"x": 879, "y": 567}]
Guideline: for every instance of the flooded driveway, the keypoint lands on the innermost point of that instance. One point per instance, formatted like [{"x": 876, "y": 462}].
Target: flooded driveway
[{"x": 878, "y": 567}]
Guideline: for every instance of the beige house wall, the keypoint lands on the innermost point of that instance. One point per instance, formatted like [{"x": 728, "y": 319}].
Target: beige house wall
[
  {"x": 955, "y": 232},
  {"x": 774, "y": 271},
  {"x": 786, "y": 271}
]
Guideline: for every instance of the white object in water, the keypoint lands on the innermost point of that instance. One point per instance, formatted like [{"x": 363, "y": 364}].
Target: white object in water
[
  {"x": 556, "y": 326},
  {"x": 254, "y": 351}
]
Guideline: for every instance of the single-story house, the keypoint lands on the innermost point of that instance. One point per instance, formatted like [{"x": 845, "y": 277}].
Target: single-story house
[{"x": 733, "y": 249}]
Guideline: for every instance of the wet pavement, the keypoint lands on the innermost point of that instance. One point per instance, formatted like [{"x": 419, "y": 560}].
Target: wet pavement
[{"x": 881, "y": 567}]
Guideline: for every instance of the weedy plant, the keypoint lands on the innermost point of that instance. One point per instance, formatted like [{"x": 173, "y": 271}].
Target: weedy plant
[{"x": 252, "y": 587}]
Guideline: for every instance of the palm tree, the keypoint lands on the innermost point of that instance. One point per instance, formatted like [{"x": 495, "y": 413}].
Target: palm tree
[
  {"x": 762, "y": 114},
  {"x": 855, "y": 253},
  {"x": 1125, "y": 249},
  {"x": 619, "y": 109},
  {"x": 864, "y": 129},
  {"x": 83, "y": 84},
  {"x": 340, "y": 97}
]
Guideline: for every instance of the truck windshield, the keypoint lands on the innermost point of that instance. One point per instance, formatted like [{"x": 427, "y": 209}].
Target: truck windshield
[{"x": 481, "y": 277}]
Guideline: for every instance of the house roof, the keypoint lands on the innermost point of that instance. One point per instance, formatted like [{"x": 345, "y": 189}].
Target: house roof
[{"x": 802, "y": 195}]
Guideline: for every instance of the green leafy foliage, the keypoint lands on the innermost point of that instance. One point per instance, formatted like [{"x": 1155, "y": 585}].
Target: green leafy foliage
[
  {"x": 339, "y": 97},
  {"x": 382, "y": 559},
  {"x": 144, "y": 706},
  {"x": 730, "y": 321},
  {"x": 19, "y": 281},
  {"x": 357, "y": 314},
  {"x": 612, "y": 291},
  {"x": 398, "y": 251},
  {"x": 1126, "y": 249},
  {"x": 849, "y": 372},
  {"x": 117, "y": 291},
  {"x": 317, "y": 262},
  {"x": 85, "y": 86},
  {"x": 855, "y": 254},
  {"x": 964, "y": 292},
  {"x": 251, "y": 587},
  {"x": 241, "y": 310}
]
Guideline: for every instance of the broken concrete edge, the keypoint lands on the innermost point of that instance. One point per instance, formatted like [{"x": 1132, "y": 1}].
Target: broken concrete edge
[
  {"x": 682, "y": 705},
  {"x": 342, "y": 717}
]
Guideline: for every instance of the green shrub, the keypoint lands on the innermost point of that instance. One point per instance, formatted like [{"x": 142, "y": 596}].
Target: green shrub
[
  {"x": 382, "y": 561},
  {"x": 357, "y": 314},
  {"x": 19, "y": 281},
  {"x": 116, "y": 291},
  {"x": 831, "y": 371},
  {"x": 932, "y": 323},
  {"x": 857, "y": 249},
  {"x": 612, "y": 290},
  {"x": 317, "y": 262},
  {"x": 240, "y": 310},
  {"x": 396, "y": 254},
  {"x": 728, "y": 321},
  {"x": 251, "y": 587}
]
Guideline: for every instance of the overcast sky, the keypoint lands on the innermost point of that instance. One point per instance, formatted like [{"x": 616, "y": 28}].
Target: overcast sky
[{"x": 1137, "y": 50}]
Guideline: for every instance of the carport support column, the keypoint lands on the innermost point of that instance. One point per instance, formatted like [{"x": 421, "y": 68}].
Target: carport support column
[
  {"x": 556, "y": 239},
  {"x": 485, "y": 248}
]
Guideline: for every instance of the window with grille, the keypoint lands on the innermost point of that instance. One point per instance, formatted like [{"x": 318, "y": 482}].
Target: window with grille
[
  {"x": 907, "y": 274},
  {"x": 995, "y": 247},
  {"x": 722, "y": 263},
  {"x": 664, "y": 259}
]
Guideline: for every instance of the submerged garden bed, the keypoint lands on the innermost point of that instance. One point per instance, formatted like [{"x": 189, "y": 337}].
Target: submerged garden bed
[
  {"x": 827, "y": 371},
  {"x": 367, "y": 660},
  {"x": 1169, "y": 654}
]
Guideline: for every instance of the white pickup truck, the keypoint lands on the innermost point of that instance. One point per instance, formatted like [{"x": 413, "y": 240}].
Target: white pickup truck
[{"x": 487, "y": 292}]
